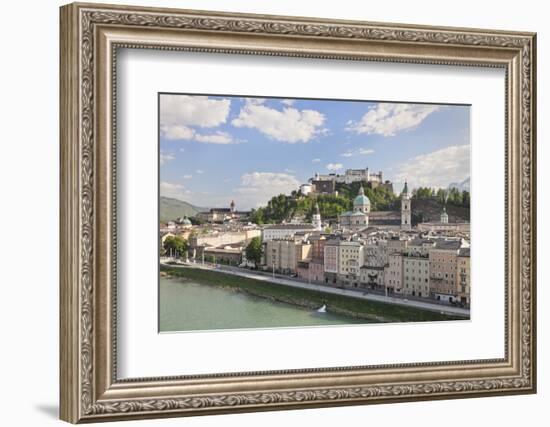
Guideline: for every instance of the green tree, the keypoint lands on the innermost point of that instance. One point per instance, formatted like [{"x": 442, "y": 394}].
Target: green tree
[
  {"x": 253, "y": 250},
  {"x": 196, "y": 221},
  {"x": 442, "y": 195},
  {"x": 257, "y": 216},
  {"x": 423, "y": 193},
  {"x": 175, "y": 245},
  {"x": 466, "y": 199}
]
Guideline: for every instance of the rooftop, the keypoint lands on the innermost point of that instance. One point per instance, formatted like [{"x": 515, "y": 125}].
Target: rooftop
[
  {"x": 388, "y": 214},
  {"x": 420, "y": 242},
  {"x": 350, "y": 213},
  {"x": 290, "y": 227},
  {"x": 448, "y": 244},
  {"x": 465, "y": 252}
]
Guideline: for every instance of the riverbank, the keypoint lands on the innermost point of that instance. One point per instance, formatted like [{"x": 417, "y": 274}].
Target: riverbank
[{"x": 373, "y": 311}]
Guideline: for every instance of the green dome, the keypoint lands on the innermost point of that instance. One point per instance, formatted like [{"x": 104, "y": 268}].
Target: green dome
[{"x": 361, "y": 200}]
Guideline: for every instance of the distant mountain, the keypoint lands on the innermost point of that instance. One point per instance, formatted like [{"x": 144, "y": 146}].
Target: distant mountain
[
  {"x": 461, "y": 186},
  {"x": 171, "y": 209}
]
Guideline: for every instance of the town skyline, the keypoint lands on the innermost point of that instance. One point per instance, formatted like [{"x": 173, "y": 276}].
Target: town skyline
[{"x": 215, "y": 149}]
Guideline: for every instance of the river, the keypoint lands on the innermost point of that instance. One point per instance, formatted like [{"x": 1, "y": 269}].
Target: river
[{"x": 190, "y": 306}]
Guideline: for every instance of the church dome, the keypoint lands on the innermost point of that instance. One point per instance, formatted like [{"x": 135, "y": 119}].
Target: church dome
[{"x": 361, "y": 199}]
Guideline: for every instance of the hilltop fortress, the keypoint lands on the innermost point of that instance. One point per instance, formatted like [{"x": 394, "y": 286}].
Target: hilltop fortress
[{"x": 326, "y": 184}]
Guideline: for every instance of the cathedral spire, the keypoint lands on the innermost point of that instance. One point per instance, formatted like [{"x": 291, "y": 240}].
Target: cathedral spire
[
  {"x": 405, "y": 208},
  {"x": 316, "y": 218}
]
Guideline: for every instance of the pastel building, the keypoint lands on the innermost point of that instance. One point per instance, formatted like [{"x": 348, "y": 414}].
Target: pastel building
[
  {"x": 331, "y": 261},
  {"x": 393, "y": 273},
  {"x": 350, "y": 261},
  {"x": 283, "y": 231},
  {"x": 283, "y": 255},
  {"x": 311, "y": 269},
  {"x": 372, "y": 276},
  {"x": 317, "y": 262},
  {"x": 396, "y": 245},
  {"x": 443, "y": 270},
  {"x": 416, "y": 275},
  {"x": 376, "y": 254},
  {"x": 463, "y": 275}
]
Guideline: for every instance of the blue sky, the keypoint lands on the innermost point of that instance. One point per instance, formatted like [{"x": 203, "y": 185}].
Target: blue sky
[{"x": 214, "y": 149}]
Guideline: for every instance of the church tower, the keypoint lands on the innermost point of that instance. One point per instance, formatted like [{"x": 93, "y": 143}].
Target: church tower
[
  {"x": 444, "y": 216},
  {"x": 405, "y": 208},
  {"x": 316, "y": 218}
]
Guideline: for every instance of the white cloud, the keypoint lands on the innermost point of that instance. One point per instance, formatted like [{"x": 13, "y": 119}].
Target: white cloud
[
  {"x": 316, "y": 161},
  {"x": 216, "y": 138},
  {"x": 176, "y": 132},
  {"x": 187, "y": 176},
  {"x": 186, "y": 110},
  {"x": 258, "y": 187},
  {"x": 199, "y": 171},
  {"x": 180, "y": 113},
  {"x": 360, "y": 152},
  {"x": 289, "y": 125},
  {"x": 172, "y": 189},
  {"x": 179, "y": 132},
  {"x": 166, "y": 157},
  {"x": 334, "y": 166},
  {"x": 255, "y": 101},
  {"x": 288, "y": 102},
  {"x": 389, "y": 119},
  {"x": 436, "y": 169}
]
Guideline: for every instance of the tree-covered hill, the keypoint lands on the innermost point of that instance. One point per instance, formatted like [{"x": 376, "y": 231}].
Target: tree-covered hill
[
  {"x": 285, "y": 207},
  {"x": 427, "y": 204}
]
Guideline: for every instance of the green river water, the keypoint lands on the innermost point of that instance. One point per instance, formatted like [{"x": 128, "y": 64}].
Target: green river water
[{"x": 190, "y": 306}]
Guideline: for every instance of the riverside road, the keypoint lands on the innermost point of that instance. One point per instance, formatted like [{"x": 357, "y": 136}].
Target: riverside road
[{"x": 277, "y": 279}]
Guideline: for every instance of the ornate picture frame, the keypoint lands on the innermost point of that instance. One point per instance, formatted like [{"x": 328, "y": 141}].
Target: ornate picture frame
[{"x": 90, "y": 37}]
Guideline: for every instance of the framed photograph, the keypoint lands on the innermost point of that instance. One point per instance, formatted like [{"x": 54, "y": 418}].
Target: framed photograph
[{"x": 266, "y": 212}]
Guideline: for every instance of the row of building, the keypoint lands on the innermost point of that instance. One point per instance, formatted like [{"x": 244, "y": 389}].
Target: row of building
[{"x": 423, "y": 267}]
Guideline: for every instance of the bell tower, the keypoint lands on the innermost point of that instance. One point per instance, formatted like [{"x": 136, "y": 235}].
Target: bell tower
[
  {"x": 316, "y": 218},
  {"x": 405, "y": 208}
]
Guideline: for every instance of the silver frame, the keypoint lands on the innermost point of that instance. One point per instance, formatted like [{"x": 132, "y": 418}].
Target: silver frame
[{"x": 90, "y": 37}]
